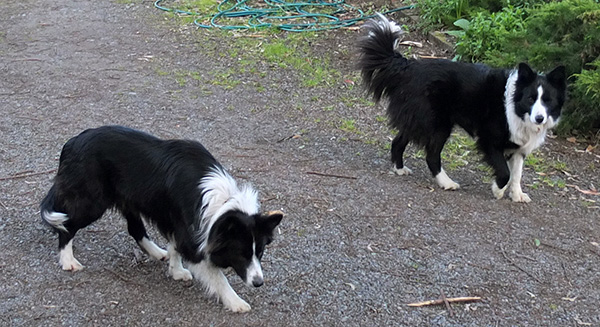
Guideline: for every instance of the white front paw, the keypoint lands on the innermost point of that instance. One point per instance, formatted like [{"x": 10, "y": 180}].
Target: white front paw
[
  {"x": 237, "y": 305},
  {"x": 498, "y": 192},
  {"x": 401, "y": 171},
  {"x": 520, "y": 197},
  {"x": 181, "y": 274}
]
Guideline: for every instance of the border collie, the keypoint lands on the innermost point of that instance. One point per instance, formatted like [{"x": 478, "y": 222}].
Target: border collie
[
  {"x": 178, "y": 186},
  {"x": 507, "y": 111}
]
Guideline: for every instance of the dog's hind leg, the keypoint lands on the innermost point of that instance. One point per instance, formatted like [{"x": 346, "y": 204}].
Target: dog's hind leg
[
  {"x": 68, "y": 227},
  {"x": 176, "y": 269},
  {"x": 434, "y": 161},
  {"x": 67, "y": 223},
  {"x": 398, "y": 146},
  {"x": 216, "y": 284},
  {"x": 66, "y": 258},
  {"x": 135, "y": 227}
]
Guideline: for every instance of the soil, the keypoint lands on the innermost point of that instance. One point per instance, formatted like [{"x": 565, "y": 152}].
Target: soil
[{"x": 353, "y": 250}]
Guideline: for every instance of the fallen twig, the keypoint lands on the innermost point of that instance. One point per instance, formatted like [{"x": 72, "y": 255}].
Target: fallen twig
[
  {"x": 447, "y": 303},
  {"x": 517, "y": 266},
  {"x": 27, "y": 175},
  {"x": 443, "y": 301},
  {"x": 329, "y": 175},
  {"x": 588, "y": 192}
]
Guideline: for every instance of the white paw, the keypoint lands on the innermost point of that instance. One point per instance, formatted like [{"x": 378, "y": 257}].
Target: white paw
[
  {"x": 520, "y": 197},
  {"x": 181, "y": 274},
  {"x": 162, "y": 255},
  {"x": 446, "y": 182},
  {"x": 498, "y": 192},
  {"x": 71, "y": 264},
  {"x": 237, "y": 305},
  {"x": 402, "y": 171},
  {"x": 153, "y": 250}
]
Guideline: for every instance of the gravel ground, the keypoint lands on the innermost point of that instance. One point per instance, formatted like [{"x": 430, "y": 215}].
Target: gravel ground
[{"x": 350, "y": 251}]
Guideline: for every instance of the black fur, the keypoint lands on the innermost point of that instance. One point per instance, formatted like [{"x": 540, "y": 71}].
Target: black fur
[
  {"x": 428, "y": 97},
  {"x": 143, "y": 176}
]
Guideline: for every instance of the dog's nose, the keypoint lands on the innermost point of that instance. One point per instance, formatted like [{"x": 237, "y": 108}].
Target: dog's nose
[
  {"x": 539, "y": 119},
  {"x": 257, "y": 281}
]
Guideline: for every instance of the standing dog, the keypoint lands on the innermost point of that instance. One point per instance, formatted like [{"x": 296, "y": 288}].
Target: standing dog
[
  {"x": 179, "y": 187},
  {"x": 507, "y": 111}
]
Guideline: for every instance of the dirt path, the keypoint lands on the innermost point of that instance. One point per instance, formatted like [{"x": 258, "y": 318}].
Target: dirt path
[{"x": 350, "y": 252}]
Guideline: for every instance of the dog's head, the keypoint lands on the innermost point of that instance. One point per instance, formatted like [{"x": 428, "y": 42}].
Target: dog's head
[
  {"x": 538, "y": 99},
  {"x": 238, "y": 240}
]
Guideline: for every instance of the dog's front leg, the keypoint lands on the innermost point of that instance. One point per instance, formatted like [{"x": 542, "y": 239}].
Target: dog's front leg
[
  {"x": 516, "y": 171},
  {"x": 176, "y": 269},
  {"x": 496, "y": 159},
  {"x": 216, "y": 284}
]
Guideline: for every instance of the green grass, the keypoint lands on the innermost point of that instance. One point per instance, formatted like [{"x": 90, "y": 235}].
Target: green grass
[
  {"x": 459, "y": 150},
  {"x": 348, "y": 125},
  {"x": 251, "y": 49}
]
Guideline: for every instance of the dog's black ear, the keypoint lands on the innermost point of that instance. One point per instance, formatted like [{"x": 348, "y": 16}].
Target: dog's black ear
[
  {"x": 557, "y": 77},
  {"x": 269, "y": 221},
  {"x": 526, "y": 74}
]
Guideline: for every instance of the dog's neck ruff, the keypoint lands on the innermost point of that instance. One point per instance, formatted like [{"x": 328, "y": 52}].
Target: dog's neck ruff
[
  {"x": 220, "y": 193},
  {"x": 528, "y": 136}
]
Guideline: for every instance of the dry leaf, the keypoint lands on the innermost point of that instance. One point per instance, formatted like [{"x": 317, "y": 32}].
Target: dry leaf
[
  {"x": 572, "y": 139},
  {"x": 590, "y": 148}
]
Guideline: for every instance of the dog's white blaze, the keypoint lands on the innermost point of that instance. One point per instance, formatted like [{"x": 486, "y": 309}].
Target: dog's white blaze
[
  {"x": 254, "y": 270},
  {"x": 538, "y": 108},
  {"x": 221, "y": 194},
  {"x": 56, "y": 219}
]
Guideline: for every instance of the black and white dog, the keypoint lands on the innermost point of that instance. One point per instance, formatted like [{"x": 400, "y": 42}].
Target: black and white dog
[
  {"x": 178, "y": 186},
  {"x": 507, "y": 111}
]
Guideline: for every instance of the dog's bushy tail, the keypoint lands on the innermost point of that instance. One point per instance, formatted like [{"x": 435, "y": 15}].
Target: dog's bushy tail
[
  {"x": 378, "y": 61},
  {"x": 54, "y": 219}
]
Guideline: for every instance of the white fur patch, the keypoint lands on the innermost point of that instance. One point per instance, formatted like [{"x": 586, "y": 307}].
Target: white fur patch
[
  {"x": 176, "y": 269},
  {"x": 446, "y": 182},
  {"x": 514, "y": 184},
  {"x": 221, "y": 194},
  {"x": 67, "y": 260},
  {"x": 152, "y": 249},
  {"x": 216, "y": 284},
  {"x": 402, "y": 171},
  {"x": 385, "y": 23},
  {"x": 254, "y": 271},
  {"x": 498, "y": 192},
  {"x": 56, "y": 219},
  {"x": 539, "y": 109}
]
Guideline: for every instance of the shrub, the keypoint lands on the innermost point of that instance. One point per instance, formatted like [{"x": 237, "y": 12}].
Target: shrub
[
  {"x": 485, "y": 36},
  {"x": 583, "y": 110}
]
